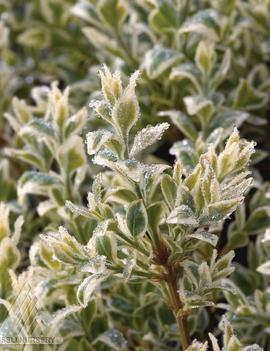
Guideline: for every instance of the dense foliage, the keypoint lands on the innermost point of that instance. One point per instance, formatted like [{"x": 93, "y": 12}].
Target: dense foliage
[{"x": 134, "y": 178}]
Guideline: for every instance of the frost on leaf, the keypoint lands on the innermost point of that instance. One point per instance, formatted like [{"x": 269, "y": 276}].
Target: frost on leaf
[
  {"x": 114, "y": 339},
  {"x": 96, "y": 140},
  {"x": 78, "y": 210},
  {"x": 94, "y": 265},
  {"x": 212, "y": 239},
  {"x": 125, "y": 112},
  {"x": 129, "y": 265},
  {"x": 87, "y": 288},
  {"x": 55, "y": 320},
  {"x": 197, "y": 346},
  {"x": 111, "y": 85},
  {"x": 69, "y": 251},
  {"x": 214, "y": 188},
  {"x": 182, "y": 215},
  {"x": 132, "y": 169},
  {"x": 99, "y": 231},
  {"x": 66, "y": 248},
  {"x": 147, "y": 137}
]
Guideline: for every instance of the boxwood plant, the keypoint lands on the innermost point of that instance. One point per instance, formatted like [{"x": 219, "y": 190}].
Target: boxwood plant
[{"x": 136, "y": 261}]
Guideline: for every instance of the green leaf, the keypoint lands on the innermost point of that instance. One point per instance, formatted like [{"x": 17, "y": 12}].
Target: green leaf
[
  {"x": 136, "y": 218},
  {"x": 32, "y": 182},
  {"x": 237, "y": 239},
  {"x": 183, "y": 215},
  {"x": 159, "y": 59},
  {"x": 131, "y": 169},
  {"x": 226, "y": 7},
  {"x": 57, "y": 318},
  {"x": 47, "y": 256},
  {"x": 143, "y": 310},
  {"x": 258, "y": 221},
  {"x": 86, "y": 11},
  {"x": 252, "y": 258},
  {"x": 71, "y": 154},
  {"x": 223, "y": 70},
  {"x": 223, "y": 266},
  {"x": 57, "y": 196},
  {"x": 193, "y": 179},
  {"x": 205, "y": 275},
  {"x": 228, "y": 120},
  {"x": 147, "y": 136},
  {"x": 111, "y": 86},
  {"x": 199, "y": 105},
  {"x": 210, "y": 186},
  {"x": 84, "y": 345},
  {"x": 21, "y": 110},
  {"x": 164, "y": 17},
  {"x": 87, "y": 288},
  {"x": 215, "y": 137},
  {"x": 245, "y": 97},
  {"x": 156, "y": 215},
  {"x": 101, "y": 41},
  {"x": 28, "y": 156},
  {"x": 205, "y": 56},
  {"x": 106, "y": 245},
  {"x": 129, "y": 265},
  {"x": 264, "y": 268},
  {"x": 39, "y": 127},
  {"x": 209, "y": 238},
  {"x": 125, "y": 112},
  {"x": 88, "y": 314},
  {"x": 237, "y": 298},
  {"x": 234, "y": 344},
  {"x": 112, "y": 12},
  {"x": 75, "y": 123},
  {"x": 182, "y": 122},
  {"x": 196, "y": 103},
  {"x": 114, "y": 339},
  {"x": 185, "y": 152},
  {"x": 169, "y": 190},
  {"x": 205, "y": 22},
  {"x": 121, "y": 195},
  {"x": 221, "y": 209},
  {"x": 96, "y": 140},
  {"x": 66, "y": 248},
  {"x": 187, "y": 71},
  {"x": 35, "y": 37},
  {"x": 9, "y": 254}
]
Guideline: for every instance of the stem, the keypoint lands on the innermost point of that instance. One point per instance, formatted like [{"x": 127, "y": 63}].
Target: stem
[
  {"x": 176, "y": 306},
  {"x": 170, "y": 279}
]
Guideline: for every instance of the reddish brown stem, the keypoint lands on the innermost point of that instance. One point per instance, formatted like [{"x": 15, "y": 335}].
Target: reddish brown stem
[
  {"x": 177, "y": 307},
  {"x": 171, "y": 278}
]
